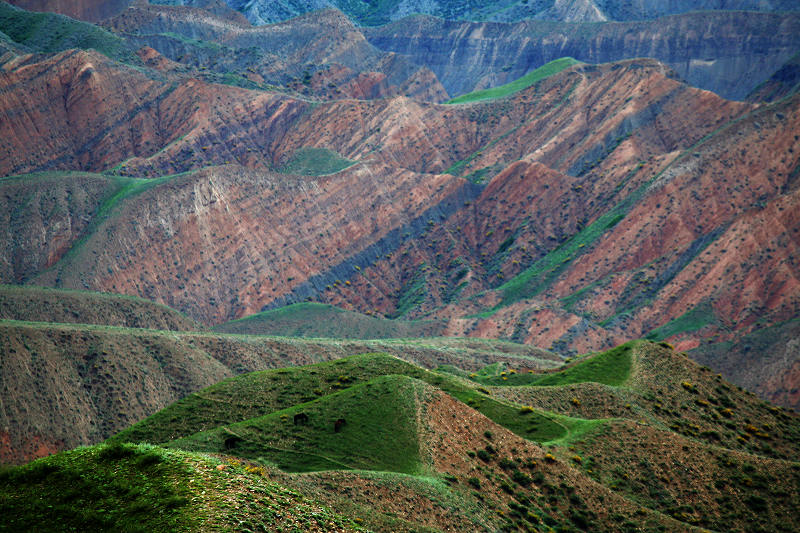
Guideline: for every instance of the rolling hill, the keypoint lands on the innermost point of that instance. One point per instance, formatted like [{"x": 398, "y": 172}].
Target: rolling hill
[
  {"x": 66, "y": 385},
  {"x": 625, "y": 467},
  {"x": 38, "y": 304}
]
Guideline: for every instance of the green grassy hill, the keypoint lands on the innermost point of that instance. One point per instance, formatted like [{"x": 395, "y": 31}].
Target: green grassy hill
[
  {"x": 665, "y": 389},
  {"x": 322, "y": 320},
  {"x": 146, "y": 488},
  {"x": 535, "y": 76},
  {"x": 64, "y": 385},
  {"x": 636, "y": 438},
  {"x": 315, "y": 162},
  {"x": 379, "y": 433},
  {"x": 249, "y": 396}
]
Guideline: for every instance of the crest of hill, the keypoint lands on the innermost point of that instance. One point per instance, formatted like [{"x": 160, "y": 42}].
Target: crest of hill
[
  {"x": 324, "y": 320},
  {"x": 264, "y": 393},
  {"x": 145, "y": 488},
  {"x": 39, "y": 304},
  {"x": 607, "y": 474},
  {"x": 314, "y": 444},
  {"x": 647, "y": 381},
  {"x": 379, "y": 431},
  {"x": 197, "y": 492}
]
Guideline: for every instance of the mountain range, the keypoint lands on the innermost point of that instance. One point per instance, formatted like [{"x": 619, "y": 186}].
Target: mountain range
[{"x": 464, "y": 213}]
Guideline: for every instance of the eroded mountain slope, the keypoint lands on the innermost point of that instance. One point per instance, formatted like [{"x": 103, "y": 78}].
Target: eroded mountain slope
[{"x": 729, "y": 53}]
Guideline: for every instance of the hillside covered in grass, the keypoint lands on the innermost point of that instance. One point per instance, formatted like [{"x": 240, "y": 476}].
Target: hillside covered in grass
[
  {"x": 635, "y": 437},
  {"x": 501, "y": 91},
  {"x": 64, "y": 385}
]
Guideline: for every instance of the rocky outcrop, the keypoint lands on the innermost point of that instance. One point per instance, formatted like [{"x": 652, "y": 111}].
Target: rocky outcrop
[
  {"x": 79, "y": 110},
  {"x": 729, "y": 53}
]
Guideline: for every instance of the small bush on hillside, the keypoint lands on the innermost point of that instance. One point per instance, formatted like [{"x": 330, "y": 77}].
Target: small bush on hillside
[
  {"x": 507, "y": 464},
  {"x": 115, "y": 451},
  {"x": 521, "y": 478}
]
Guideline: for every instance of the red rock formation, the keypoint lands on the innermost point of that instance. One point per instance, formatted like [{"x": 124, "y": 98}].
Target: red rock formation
[{"x": 652, "y": 199}]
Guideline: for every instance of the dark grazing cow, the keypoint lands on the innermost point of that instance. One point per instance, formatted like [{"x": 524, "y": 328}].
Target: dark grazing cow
[
  {"x": 232, "y": 441},
  {"x": 300, "y": 418},
  {"x": 339, "y": 424}
]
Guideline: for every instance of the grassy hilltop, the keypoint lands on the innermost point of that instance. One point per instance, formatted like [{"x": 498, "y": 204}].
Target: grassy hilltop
[{"x": 635, "y": 437}]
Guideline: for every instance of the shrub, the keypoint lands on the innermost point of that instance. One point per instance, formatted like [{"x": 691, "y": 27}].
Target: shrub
[
  {"x": 521, "y": 478},
  {"x": 475, "y": 482},
  {"x": 507, "y": 464},
  {"x": 116, "y": 450},
  {"x": 576, "y": 402},
  {"x": 525, "y": 410},
  {"x": 756, "y": 503}
]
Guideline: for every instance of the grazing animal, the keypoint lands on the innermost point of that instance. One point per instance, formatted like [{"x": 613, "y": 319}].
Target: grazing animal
[
  {"x": 339, "y": 424},
  {"x": 231, "y": 442},
  {"x": 300, "y": 418}
]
